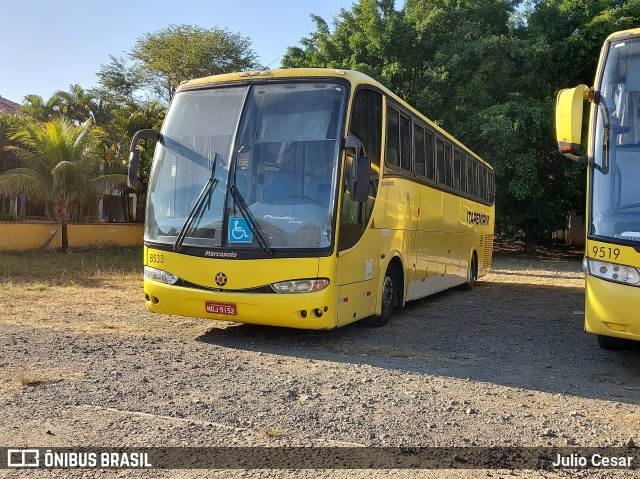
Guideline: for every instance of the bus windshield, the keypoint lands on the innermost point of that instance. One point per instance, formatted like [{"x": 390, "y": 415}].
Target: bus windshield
[
  {"x": 248, "y": 167},
  {"x": 615, "y": 202}
]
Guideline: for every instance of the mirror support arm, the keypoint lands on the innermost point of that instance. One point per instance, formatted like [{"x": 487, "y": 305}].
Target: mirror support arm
[{"x": 134, "y": 154}]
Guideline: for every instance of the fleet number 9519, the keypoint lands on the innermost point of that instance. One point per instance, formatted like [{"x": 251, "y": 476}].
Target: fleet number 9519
[
  {"x": 604, "y": 252},
  {"x": 156, "y": 258}
]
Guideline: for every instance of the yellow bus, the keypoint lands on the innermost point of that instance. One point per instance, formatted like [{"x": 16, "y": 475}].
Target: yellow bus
[
  {"x": 612, "y": 255},
  {"x": 307, "y": 198}
]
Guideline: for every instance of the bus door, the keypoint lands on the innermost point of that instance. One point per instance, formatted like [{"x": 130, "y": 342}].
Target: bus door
[{"x": 358, "y": 253}]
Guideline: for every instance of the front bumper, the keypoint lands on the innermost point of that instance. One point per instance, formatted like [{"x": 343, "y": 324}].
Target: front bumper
[
  {"x": 612, "y": 309},
  {"x": 298, "y": 310}
]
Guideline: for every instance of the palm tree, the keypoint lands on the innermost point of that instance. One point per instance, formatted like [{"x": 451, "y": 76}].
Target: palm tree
[
  {"x": 34, "y": 106},
  {"x": 123, "y": 124},
  {"x": 61, "y": 164},
  {"x": 8, "y": 159}
]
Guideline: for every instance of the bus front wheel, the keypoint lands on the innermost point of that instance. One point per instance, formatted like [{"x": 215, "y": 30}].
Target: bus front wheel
[
  {"x": 615, "y": 344},
  {"x": 389, "y": 300}
]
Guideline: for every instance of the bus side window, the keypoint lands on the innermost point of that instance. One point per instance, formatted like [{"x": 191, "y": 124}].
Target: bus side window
[
  {"x": 474, "y": 176},
  {"x": 440, "y": 161},
  {"x": 428, "y": 143},
  {"x": 463, "y": 173},
  {"x": 405, "y": 142},
  {"x": 485, "y": 183},
  {"x": 448, "y": 165},
  {"x": 456, "y": 169},
  {"x": 393, "y": 137},
  {"x": 481, "y": 181},
  {"x": 366, "y": 124},
  {"x": 419, "y": 149},
  {"x": 492, "y": 191}
]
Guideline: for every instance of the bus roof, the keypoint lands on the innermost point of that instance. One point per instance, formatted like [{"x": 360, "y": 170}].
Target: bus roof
[
  {"x": 354, "y": 77},
  {"x": 633, "y": 32}
]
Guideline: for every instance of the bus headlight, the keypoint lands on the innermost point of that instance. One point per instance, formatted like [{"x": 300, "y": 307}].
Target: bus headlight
[
  {"x": 300, "y": 285},
  {"x": 159, "y": 275},
  {"x": 612, "y": 271}
]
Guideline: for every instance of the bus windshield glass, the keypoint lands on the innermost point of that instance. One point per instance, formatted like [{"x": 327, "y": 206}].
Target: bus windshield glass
[
  {"x": 615, "y": 205},
  {"x": 258, "y": 176}
]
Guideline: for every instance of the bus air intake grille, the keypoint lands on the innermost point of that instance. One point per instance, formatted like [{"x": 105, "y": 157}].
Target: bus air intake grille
[{"x": 488, "y": 250}]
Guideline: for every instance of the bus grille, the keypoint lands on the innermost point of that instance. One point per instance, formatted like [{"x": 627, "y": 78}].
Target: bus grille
[{"x": 487, "y": 249}]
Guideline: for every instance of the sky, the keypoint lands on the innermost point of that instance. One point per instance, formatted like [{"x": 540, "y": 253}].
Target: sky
[{"x": 49, "y": 45}]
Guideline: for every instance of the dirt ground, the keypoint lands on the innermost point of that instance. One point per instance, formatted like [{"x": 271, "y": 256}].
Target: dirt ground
[{"x": 506, "y": 364}]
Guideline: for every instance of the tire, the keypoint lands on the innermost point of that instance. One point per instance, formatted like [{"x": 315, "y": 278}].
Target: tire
[
  {"x": 389, "y": 301},
  {"x": 614, "y": 344},
  {"x": 471, "y": 275}
]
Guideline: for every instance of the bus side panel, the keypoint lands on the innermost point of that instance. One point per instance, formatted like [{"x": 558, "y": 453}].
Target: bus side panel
[
  {"x": 453, "y": 239},
  {"x": 433, "y": 247},
  {"x": 356, "y": 277},
  {"x": 426, "y": 270},
  {"x": 355, "y": 301},
  {"x": 396, "y": 219}
]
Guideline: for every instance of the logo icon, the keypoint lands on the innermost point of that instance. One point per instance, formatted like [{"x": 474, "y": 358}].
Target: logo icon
[
  {"x": 23, "y": 458},
  {"x": 221, "y": 279}
]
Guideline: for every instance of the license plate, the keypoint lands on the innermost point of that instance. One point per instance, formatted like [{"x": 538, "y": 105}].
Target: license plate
[{"x": 221, "y": 308}]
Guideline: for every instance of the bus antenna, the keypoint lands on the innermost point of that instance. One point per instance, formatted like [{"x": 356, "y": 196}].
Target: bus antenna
[{"x": 267, "y": 66}]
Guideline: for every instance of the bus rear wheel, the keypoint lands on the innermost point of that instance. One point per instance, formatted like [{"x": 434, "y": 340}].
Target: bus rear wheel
[
  {"x": 472, "y": 274},
  {"x": 615, "y": 344},
  {"x": 389, "y": 301}
]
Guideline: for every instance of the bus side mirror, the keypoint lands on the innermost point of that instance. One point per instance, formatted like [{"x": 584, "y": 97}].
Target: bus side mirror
[
  {"x": 134, "y": 154},
  {"x": 569, "y": 120},
  {"x": 359, "y": 181}
]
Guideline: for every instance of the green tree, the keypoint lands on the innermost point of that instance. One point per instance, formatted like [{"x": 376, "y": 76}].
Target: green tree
[
  {"x": 181, "y": 52},
  {"x": 489, "y": 75},
  {"x": 561, "y": 40},
  {"x": 118, "y": 81},
  {"x": 60, "y": 163}
]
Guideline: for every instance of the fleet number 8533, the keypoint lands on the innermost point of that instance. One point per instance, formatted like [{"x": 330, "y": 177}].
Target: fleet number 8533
[{"x": 156, "y": 258}]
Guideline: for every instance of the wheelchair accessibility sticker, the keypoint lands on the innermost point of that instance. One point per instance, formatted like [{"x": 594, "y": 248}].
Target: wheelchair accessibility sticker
[{"x": 239, "y": 231}]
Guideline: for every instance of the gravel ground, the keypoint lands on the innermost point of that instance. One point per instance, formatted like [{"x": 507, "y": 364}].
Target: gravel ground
[{"x": 506, "y": 364}]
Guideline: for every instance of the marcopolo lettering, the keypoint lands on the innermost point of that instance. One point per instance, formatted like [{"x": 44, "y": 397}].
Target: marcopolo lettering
[{"x": 221, "y": 254}]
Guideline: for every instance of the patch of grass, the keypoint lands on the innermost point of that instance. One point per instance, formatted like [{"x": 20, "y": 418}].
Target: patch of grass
[
  {"x": 38, "y": 287},
  {"x": 42, "y": 269},
  {"x": 275, "y": 431}
]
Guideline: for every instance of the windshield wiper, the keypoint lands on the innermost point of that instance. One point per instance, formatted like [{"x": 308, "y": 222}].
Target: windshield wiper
[
  {"x": 248, "y": 217},
  {"x": 204, "y": 196}
]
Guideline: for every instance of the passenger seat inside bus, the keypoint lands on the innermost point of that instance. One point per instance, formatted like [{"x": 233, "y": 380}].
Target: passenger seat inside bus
[{"x": 319, "y": 191}]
